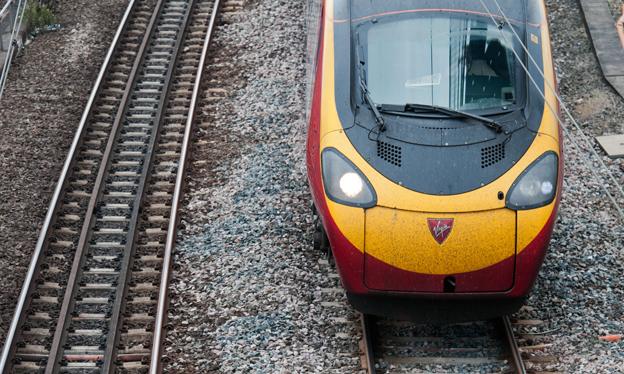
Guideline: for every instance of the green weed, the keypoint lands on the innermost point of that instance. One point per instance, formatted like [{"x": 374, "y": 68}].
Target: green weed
[{"x": 37, "y": 16}]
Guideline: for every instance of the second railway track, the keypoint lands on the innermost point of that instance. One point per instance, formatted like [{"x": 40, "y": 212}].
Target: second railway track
[
  {"x": 397, "y": 346},
  {"x": 499, "y": 346},
  {"x": 94, "y": 299}
]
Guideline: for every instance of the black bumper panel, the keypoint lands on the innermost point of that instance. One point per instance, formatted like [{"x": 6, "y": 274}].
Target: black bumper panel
[{"x": 431, "y": 310}]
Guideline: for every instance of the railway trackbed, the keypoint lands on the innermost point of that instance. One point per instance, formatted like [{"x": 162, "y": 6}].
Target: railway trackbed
[
  {"x": 520, "y": 344},
  {"x": 95, "y": 296},
  {"x": 390, "y": 346}
]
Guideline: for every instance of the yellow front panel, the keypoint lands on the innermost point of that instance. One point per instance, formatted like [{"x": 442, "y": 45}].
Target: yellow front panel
[
  {"x": 477, "y": 240},
  {"x": 350, "y": 221},
  {"x": 532, "y": 222}
]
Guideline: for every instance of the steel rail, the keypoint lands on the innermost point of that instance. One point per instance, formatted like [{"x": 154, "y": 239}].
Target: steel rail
[
  {"x": 70, "y": 292},
  {"x": 367, "y": 337},
  {"x": 113, "y": 339},
  {"x": 36, "y": 258},
  {"x": 161, "y": 310},
  {"x": 514, "y": 351}
]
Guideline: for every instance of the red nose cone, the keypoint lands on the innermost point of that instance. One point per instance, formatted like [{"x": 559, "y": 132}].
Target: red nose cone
[{"x": 440, "y": 228}]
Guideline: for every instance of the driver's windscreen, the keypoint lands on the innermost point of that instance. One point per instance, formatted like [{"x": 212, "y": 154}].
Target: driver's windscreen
[{"x": 458, "y": 63}]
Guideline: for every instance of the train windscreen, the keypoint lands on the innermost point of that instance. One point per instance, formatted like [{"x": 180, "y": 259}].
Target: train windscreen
[{"x": 458, "y": 63}]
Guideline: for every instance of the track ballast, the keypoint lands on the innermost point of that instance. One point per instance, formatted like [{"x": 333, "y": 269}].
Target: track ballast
[{"x": 94, "y": 300}]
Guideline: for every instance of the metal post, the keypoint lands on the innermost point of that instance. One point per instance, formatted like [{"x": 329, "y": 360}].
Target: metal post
[
  {"x": 620, "y": 27},
  {"x": 17, "y": 25}
]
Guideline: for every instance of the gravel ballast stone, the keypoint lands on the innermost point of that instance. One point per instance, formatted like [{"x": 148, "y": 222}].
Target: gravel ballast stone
[
  {"x": 248, "y": 292},
  {"x": 247, "y": 288}
]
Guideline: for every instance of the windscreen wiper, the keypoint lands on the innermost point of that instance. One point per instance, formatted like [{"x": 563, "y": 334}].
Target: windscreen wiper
[
  {"x": 371, "y": 104},
  {"x": 425, "y": 108},
  {"x": 366, "y": 93}
]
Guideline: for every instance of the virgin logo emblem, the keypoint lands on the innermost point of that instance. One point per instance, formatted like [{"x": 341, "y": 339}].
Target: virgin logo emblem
[{"x": 440, "y": 228}]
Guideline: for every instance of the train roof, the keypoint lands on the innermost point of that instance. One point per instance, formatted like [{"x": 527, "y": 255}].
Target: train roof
[{"x": 515, "y": 9}]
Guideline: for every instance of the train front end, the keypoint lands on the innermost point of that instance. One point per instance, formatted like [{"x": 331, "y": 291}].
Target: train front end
[{"x": 434, "y": 154}]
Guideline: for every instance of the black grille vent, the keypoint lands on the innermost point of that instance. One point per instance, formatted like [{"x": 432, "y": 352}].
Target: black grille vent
[
  {"x": 389, "y": 152},
  {"x": 492, "y": 155}
]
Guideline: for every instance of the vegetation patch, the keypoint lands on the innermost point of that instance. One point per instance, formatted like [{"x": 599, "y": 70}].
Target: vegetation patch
[{"x": 37, "y": 16}]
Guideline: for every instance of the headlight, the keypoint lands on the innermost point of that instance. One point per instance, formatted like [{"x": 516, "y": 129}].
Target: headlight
[
  {"x": 537, "y": 185},
  {"x": 344, "y": 182}
]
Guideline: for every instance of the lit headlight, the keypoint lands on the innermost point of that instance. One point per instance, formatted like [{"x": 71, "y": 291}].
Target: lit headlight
[
  {"x": 351, "y": 184},
  {"x": 344, "y": 183},
  {"x": 536, "y": 186}
]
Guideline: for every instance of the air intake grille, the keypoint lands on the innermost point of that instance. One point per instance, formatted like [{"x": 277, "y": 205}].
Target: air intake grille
[
  {"x": 492, "y": 155},
  {"x": 389, "y": 152}
]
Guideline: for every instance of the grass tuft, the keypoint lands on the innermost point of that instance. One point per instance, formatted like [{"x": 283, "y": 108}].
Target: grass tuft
[{"x": 38, "y": 16}]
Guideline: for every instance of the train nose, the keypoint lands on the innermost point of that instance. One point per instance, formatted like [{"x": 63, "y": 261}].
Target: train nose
[{"x": 436, "y": 252}]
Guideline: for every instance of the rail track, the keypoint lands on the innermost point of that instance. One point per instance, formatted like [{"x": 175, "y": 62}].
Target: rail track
[
  {"x": 390, "y": 346},
  {"x": 95, "y": 296}
]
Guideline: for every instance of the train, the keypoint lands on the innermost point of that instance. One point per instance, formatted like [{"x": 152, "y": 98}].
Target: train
[{"x": 434, "y": 152}]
